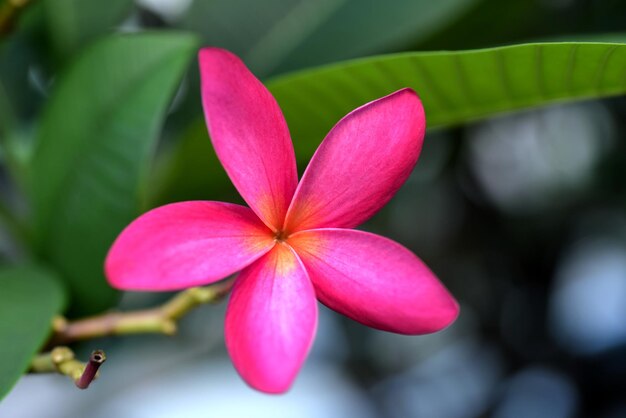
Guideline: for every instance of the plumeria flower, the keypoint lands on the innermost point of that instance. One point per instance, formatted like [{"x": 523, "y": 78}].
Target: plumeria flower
[{"x": 295, "y": 243}]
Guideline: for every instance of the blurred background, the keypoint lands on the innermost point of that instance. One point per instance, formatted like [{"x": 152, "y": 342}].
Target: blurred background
[{"x": 522, "y": 216}]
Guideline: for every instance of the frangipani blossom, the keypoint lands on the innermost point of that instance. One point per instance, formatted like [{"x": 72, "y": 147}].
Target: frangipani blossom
[{"x": 294, "y": 244}]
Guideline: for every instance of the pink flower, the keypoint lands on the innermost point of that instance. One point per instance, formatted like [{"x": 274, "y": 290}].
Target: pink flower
[{"x": 294, "y": 244}]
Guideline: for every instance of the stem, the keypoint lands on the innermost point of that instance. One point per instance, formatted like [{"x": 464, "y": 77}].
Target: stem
[
  {"x": 62, "y": 360},
  {"x": 160, "y": 320},
  {"x": 96, "y": 360}
]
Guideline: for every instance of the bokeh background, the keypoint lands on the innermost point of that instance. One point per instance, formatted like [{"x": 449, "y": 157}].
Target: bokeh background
[{"x": 522, "y": 216}]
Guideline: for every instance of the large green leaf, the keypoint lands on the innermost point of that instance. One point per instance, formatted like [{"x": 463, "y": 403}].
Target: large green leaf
[
  {"x": 456, "y": 87},
  {"x": 29, "y": 298},
  {"x": 72, "y": 24},
  {"x": 280, "y": 35},
  {"x": 96, "y": 136}
]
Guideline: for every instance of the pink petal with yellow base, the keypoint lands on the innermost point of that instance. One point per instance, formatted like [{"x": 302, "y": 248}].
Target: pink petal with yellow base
[
  {"x": 249, "y": 134},
  {"x": 271, "y": 320},
  {"x": 186, "y": 244},
  {"x": 374, "y": 281},
  {"x": 360, "y": 165}
]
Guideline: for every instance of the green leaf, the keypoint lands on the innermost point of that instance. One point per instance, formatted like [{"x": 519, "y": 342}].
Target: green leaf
[
  {"x": 279, "y": 35},
  {"x": 96, "y": 137},
  {"x": 455, "y": 87},
  {"x": 73, "y": 23},
  {"x": 29, "y": 299}
]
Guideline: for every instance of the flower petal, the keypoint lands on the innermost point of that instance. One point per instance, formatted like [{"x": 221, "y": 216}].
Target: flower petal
[
  {"x": 374, "y": 280},
  {"x": 360, "y": 165},
  {"x": 186, "y": 244},
  {"x": 271, "y": 320},
  {"x": 249, "y": 134}
]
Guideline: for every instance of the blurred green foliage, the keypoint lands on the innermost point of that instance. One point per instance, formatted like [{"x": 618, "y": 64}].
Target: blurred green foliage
[
  {"x": 97, "y": 133},
  {"x": 283, "y": 35},
  {"x": 30, "y": 297},
  {"x": 72, "y": 24}
]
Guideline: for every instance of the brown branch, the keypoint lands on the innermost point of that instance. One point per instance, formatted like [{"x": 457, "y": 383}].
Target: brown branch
[{"x": 160, "y": 320}]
